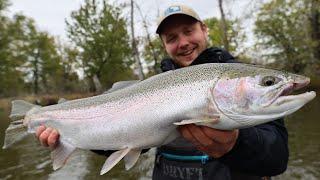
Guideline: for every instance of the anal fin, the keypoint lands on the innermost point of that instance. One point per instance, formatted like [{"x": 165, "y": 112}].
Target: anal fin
[
  {"x": 113, "y": 159},
  {"x": 61, "y": 153},
  {"x": 131, "y": 158}
]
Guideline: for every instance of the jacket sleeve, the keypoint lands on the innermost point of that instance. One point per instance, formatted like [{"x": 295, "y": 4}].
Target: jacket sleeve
[{"x": 261, "y": 150}]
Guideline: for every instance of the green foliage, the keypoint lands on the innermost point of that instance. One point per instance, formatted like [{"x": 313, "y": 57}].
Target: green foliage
[
  {"x": 100, "y": 34},
  {"x": 156, "y": 46},
  {"x": 29, "y": 59},
  {"x": 3, "y": 5},
  {"x": 234, "y": 33},
  {"x": 38, "y": 54},
  {"x": 69, "y": 81},
  {"x": 32, "y": 60},
  {"x": 284, "y": 33},
  {"x": 11, "y": 79}
]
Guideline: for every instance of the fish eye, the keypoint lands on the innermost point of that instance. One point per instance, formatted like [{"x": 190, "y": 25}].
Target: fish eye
[{"x": 269, "y": 81}]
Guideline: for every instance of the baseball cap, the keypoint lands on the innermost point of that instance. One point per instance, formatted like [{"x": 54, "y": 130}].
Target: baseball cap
[{"x": 176, "y": 9}]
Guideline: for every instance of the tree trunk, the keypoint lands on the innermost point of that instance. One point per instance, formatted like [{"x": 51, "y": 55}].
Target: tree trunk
[
  {"x": 315, "y": 28},
  {"x": 155, "y": 57},
  {"x": 97, "y": 84},
  {"x": 36, "y": 73},
  {"x": 134, "y": 46},
  {"x": 224, "y": 26}
]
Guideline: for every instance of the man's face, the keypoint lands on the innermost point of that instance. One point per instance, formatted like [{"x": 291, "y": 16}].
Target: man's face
[{"x": 184, "y": 38}]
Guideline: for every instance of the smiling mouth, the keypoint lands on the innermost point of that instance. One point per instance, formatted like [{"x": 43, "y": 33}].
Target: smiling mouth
[{"x": 186, "y": 53}]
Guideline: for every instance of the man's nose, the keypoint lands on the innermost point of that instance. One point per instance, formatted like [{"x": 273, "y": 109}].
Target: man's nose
[{"x": 183, "y": 42}]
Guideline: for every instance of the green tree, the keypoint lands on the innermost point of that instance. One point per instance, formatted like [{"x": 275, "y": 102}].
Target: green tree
[
  {"x": 154, "y": 47},
  {"x": 51, "y": 72},
  {"x": 41, "y": 62},
  {"x": 11, "y": 78},
  {"x": 234, "y": 34},
  {"x": 314, "y": 18},
  {"x": 29, "y": 58},
  {"x": 3, "y": 5},
  {"x": 100, "y": 33},
  {"x": 70, "y": 80},
  {"x": 286, "y": 35}
]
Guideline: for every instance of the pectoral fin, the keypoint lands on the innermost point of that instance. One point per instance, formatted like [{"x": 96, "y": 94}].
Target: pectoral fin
[
  {"x": 61, "y": 153},
  {"x": 113, "y": 159},
  {"x": 197, "y": 121},
  {"x": 131, "y": 158}
]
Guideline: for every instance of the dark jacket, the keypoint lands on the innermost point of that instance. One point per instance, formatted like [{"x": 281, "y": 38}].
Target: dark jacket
[{"x": 259, "y": 151}]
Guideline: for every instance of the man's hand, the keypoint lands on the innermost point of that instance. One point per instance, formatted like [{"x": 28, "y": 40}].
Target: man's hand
[
  {"x": 48, "y": 137},
  {"x": 213, "y": 142}
]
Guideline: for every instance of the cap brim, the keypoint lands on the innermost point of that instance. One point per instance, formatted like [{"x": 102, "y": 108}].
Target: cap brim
[{"x": 165, "y": 18}]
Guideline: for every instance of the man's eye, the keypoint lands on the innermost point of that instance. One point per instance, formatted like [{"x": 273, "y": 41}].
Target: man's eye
[
  {"x": 188, "y": 31},
  {"x": 170, "y": 39}
]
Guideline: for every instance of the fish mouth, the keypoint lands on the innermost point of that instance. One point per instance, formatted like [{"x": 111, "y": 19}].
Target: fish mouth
[
  {"x": 293, "y": 99},
  {"x": 285, "y": 97},
  {"x": 296, "y": 85}
]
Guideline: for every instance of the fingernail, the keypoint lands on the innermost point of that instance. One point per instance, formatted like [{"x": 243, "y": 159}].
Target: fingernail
[{"x": 55, "y": 132}]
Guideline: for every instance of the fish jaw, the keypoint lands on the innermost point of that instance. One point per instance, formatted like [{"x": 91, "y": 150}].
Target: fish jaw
[
  {"x": 284, "y": 101},
  {"x": 291, "y": 103}
]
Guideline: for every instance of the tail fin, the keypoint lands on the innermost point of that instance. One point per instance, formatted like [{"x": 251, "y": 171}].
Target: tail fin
[{"x": 17, "y": 130}]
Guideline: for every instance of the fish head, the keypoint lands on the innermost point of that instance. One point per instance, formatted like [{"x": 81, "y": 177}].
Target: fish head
[{"x": 261, "y": 97}]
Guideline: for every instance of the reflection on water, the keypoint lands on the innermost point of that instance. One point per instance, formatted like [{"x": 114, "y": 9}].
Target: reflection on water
[
  {"x": 304, "y": 134},
  {"x": 28, "y": 160}
]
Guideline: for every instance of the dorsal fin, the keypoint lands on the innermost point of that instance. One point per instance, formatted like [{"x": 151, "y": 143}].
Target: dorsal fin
[
  {"x": 120, "y": 85},
  {"x": 62, "y": 100}
]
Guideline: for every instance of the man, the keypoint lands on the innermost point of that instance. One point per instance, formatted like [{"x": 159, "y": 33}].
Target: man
[{"x": 203, "y": 152}]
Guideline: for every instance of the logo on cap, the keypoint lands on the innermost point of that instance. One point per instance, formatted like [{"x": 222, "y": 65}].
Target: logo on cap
[{"x": 172, "y": 9}]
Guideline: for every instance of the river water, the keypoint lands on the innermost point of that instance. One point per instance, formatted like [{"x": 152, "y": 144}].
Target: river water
[{"x": 28, "y": 160}]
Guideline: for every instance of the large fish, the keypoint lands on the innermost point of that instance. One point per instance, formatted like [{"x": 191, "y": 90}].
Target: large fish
[{"x": 146, "y": 114}]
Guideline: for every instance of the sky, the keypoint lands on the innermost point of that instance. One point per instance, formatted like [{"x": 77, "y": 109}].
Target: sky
[{"x": 50, "y": 15}]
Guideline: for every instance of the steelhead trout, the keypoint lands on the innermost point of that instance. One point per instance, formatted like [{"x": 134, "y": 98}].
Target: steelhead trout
[{"x": 133, "y": 117}]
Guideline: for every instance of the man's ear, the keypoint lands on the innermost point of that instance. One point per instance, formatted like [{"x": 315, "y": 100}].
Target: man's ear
[
  {"x": 161, "y": 39},
  {"x": 204, "y": 28}
]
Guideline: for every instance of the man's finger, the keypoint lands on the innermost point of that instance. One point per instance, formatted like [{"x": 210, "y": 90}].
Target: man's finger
[
  {"x": 53, "y": 139},
  {"x": 199, "y": 135},
  {"x": 187, "y": 134},
  {"x": 39, "y": 130},
  {"x": 44, "y": 137},
  {"x": 220, "y": 136}
]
